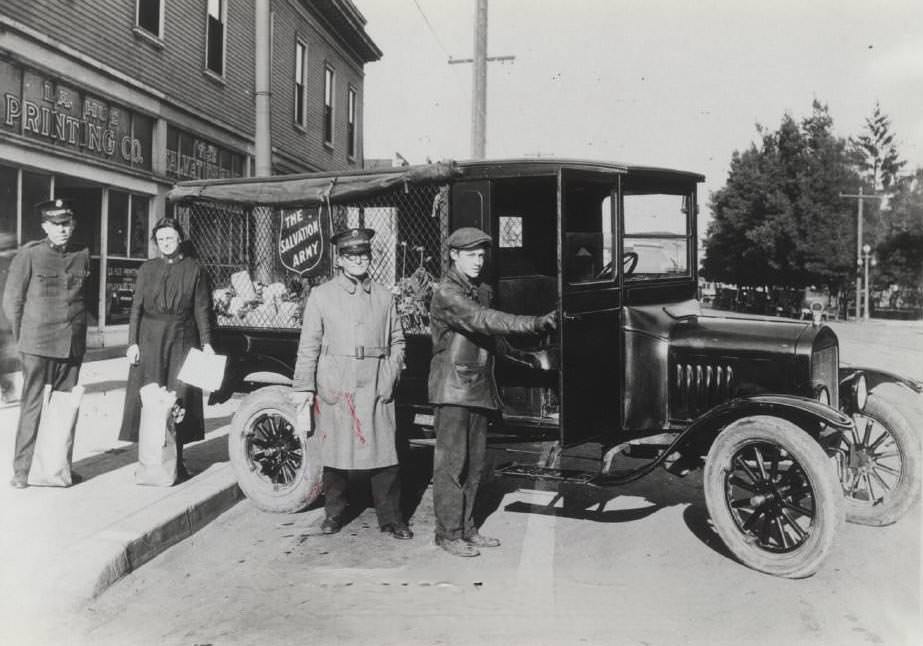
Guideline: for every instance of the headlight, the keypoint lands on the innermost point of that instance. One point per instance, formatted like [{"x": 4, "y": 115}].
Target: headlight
[
  {"x": 860, "y": 393},
  {"x": 822, "y": 395}
]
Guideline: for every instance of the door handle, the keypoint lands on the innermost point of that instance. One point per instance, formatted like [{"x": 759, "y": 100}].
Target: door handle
[{"x": 573, "y": 317}]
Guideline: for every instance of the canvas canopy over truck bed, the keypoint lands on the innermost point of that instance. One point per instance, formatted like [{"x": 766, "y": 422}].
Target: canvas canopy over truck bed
[{"x": 310, "y": 189}]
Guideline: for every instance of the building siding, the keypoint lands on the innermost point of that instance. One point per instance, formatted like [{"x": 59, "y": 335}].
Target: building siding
[
  {"x": 292, "y": 22},
  {"x": 173, "y": 68},
  {"x": 104, "y": 31}
]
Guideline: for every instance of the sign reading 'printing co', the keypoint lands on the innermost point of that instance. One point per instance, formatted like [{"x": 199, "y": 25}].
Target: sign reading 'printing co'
[{"x": 302, "y": 240}]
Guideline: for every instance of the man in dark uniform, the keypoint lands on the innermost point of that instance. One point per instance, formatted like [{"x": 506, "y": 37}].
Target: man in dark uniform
[
  {"x": 467, "y": 334},
  {"x": 44, "y": 300}
]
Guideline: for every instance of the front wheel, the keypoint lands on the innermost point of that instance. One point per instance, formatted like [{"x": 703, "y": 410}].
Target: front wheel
[
  {"x": 773, "y": 496},
  {"x": 277, "y": 467},
  {"x": 879, "y": 462}
]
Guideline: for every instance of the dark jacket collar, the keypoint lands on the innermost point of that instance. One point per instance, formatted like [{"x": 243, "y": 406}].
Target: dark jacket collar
[
  {"x": 350, "y": 284},
  {"x": 460, "y": 279}
]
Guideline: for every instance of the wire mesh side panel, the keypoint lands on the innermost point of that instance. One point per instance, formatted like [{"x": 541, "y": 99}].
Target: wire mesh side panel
[
  {"x": 406, "y": 246},
  {"x": 240, "y": 250}
]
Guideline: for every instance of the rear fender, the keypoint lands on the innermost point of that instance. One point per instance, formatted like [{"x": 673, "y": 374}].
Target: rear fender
[{"x": 257, "y": 369}]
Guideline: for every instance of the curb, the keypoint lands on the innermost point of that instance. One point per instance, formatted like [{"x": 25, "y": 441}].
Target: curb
[
  {"x": 98, "y": 560},
  {"x": 143, "y": 548}
]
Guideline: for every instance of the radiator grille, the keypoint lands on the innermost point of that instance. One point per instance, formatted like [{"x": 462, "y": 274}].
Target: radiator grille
[{"x": 697, "y": 387}]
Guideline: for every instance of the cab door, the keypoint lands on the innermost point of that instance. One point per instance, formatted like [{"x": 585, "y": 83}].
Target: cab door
[{"x": 590, "y": 283}]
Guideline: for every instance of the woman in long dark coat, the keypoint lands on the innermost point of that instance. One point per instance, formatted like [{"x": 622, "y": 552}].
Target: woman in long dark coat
[{"x": 169, "y": 315}]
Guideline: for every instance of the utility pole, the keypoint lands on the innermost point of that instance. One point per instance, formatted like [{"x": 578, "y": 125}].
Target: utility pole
[
  {"x": 861, "y": 197},
  {"x": 479, "y": 80},
  {"x": 262, "y": 93}
]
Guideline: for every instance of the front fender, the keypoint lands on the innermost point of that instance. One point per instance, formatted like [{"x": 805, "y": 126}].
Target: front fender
[
  {"x": 874, "y": 377},
  {"x": 815, "y": 418}
]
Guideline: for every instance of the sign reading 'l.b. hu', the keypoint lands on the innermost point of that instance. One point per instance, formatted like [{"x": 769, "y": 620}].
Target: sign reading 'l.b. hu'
[{"x": 302, "y": 240}]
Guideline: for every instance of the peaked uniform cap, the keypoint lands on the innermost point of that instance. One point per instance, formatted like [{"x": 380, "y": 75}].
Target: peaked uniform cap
[
  {"x": 353, "y": 240},
  {"x": 54, "y": 210},
  {"x": 468, "y": 238}
]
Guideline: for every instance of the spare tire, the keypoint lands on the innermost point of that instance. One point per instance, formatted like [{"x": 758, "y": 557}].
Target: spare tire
[{"x": 278, "y": 467}]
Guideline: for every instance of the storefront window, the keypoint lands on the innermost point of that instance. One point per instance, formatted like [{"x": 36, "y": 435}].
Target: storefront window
[
  {"x": 118, "y": 224},
  {"x": 7, "y": 208},
  {"x": 128, "y": 225},
  {"x": 35, "y": 188},
  {"x": 139, "y": 226},
  {"x": 127, "y": 246}
]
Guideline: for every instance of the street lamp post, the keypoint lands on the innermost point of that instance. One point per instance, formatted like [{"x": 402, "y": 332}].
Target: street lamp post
[
  {"x": 866, "y": 253},
  {"x": 860, "y": 197}
]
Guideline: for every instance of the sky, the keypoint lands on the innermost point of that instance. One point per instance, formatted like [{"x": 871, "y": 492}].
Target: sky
[{"x": 671, "y": 83}]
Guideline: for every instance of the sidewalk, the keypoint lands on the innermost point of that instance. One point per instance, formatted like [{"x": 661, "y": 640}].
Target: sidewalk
[{"x": 61, "y": 547}]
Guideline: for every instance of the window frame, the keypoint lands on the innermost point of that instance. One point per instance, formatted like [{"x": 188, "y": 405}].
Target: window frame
[
  {"x": 223, "y": 21},
  {"x": 129, "y": 226},
  {"x": 688, "y": 197},
  {"x": 352, "y": 113},
  {"x": 143, "y": 29},
  {"x": 301, "y": 84},
  {"x": 329, "y": 104}
]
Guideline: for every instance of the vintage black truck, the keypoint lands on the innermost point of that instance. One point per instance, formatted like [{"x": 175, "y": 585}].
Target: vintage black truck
[{"x": 791, "y": 441}]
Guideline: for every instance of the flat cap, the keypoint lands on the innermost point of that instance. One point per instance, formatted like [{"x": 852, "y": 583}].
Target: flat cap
[
  {"x": 353, "y": 240},
  {"x": 54, "y": 210},
  {"x": 468, "y": 238}
]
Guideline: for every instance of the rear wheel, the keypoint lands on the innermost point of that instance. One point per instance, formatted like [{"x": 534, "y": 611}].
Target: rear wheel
[
  {"x": 879, "y": 462},
  {"x": 773, "y": 496},
  {"x": 277, "y": 467}
]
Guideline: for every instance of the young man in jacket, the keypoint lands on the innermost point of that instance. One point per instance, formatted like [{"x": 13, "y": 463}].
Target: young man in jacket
[{"x": 466, "y": 337}]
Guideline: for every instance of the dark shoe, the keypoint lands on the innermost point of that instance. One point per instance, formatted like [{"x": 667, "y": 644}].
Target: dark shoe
[
  {"x": 330, "y": 526},
  {"x": 482, "y": 541},
  {"x": 19, "y": 482},
  {"x": 398, "y": 530},
  {"x": 458, "y": 547}
]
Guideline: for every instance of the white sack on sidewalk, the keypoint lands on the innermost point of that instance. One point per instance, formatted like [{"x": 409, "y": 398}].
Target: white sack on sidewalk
[
  {"x": 156, "y": 438},
  {"x": 54, "y": 446}
]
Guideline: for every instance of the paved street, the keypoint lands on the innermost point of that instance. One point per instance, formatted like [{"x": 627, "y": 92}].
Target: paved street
[
  {"x": 643, "y": 567},
  {"x": 644, "y": 570}
]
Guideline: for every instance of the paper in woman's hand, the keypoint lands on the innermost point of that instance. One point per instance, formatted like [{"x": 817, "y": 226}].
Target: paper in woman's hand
[{"x": 202, "y": 370}]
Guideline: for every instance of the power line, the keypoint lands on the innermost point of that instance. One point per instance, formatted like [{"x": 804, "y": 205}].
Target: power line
[{"x": 431, "y": 28}]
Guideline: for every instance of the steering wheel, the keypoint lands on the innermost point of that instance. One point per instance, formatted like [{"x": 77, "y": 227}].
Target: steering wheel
[{"x": 629, "y": 262}]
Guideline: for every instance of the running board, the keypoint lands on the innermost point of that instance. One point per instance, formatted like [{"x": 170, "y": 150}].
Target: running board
[
  {"x": 612, "y": 478},
  {"x": 533, "y": 472}
]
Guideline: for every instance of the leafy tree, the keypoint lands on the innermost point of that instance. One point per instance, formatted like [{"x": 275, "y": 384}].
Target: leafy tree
[
  {"x": 876, "y": 153},
  {"x": 900, "y": 249},
  {"x": 779, "y": 220}
]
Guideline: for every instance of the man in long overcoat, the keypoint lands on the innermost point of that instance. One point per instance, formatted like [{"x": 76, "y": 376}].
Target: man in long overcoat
[
  {"x": 350, "y": 356},
  {"x": 44, "y": 300},
  {"x": 467, "y": 334}
]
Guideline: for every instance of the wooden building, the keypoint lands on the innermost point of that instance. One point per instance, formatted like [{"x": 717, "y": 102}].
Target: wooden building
[{"x": 108, "y": 103}]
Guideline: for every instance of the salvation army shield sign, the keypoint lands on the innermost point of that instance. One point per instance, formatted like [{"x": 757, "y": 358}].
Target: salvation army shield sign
[{"x": 302, "y": 242}]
